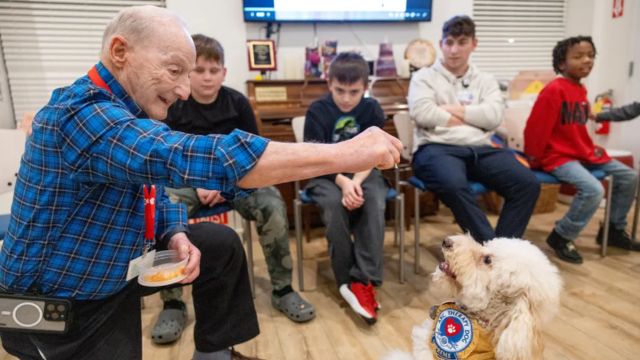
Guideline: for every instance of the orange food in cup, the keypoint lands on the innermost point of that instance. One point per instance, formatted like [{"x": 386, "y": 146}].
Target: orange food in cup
[{"x": 165, "y": 275}]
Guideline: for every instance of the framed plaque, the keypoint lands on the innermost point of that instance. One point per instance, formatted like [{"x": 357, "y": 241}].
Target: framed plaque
[{"x": 262, "y": 55}]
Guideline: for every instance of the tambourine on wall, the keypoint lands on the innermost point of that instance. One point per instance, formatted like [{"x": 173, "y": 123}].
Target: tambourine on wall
[{"x": 419, "y": 53}]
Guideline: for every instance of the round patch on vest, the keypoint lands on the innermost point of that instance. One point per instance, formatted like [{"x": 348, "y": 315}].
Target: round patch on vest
[{"x": 454, "y": 333}]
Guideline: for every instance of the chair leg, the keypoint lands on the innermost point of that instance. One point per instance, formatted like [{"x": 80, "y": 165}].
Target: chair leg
[
  {"x": 636, "y": 210},
  {"x": 297, "y": 209},
  {"x": 416, "y": 229},
  {"x": 607, "y": 215},
  {"x": 399, "y": 226},
  {"x": 307, "y": 224},
  {"x": 246, "y": 235},
  {"x": 396, "y": 212},
  {"x": 396, "y": 234}
]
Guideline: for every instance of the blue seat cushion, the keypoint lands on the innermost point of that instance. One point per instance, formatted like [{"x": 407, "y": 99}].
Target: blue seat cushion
[
  {"x": 415, "y": 182},
  {"x": 215, "y": 210},
  {"x": 547, "y": 178},
  {"x": 475, "y": 187}
]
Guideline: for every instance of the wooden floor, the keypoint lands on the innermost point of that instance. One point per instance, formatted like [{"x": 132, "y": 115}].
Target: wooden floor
[{"x": 599, "y": 318}]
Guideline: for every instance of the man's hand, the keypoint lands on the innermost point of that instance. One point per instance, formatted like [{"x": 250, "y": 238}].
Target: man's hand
[
  {"x": 209, "y": 197},
  {"x": 181, "y": 243},
  {"x": 371, "y": 148}
]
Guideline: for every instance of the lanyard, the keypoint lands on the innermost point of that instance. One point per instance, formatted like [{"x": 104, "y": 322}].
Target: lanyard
[
  {"x": 97, "y": 80},
  {"x": 149, "y": 193},
  {"x": 149, "y": 217}
]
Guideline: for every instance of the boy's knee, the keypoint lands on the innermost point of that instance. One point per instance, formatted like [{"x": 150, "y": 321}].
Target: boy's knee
[
  {"x": 221, "y": 239},
  {"x": 275, "y": 211},
  {"x": 594, "y": 191},
  {"x": 529, "y": 186},
  {"x": 453, "y": 187},
  {"x": 630, "y": 177}
]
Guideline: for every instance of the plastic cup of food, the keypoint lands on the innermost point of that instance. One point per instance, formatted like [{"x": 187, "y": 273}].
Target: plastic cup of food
[{"x": 167, "y": 269}]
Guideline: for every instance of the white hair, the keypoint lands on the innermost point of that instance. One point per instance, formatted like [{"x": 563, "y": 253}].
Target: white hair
[
  {"x": 509, "y": 284},
  {"x": 139, "y": 24}
]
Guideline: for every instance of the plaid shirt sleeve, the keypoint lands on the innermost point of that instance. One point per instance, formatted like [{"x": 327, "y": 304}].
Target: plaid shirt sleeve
[
  {"x": 77, "y": 218},
  {"x": 104, "y": 143},
  {"x": 171, "y": 219}
]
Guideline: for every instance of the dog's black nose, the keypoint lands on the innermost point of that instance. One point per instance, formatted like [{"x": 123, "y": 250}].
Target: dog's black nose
[{"x": 447, "y": 243}]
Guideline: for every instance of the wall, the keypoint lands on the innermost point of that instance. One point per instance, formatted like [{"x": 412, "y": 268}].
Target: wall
[
  {"x": 222, "y": 20},
  {"x": 578, "y": 17},
  {"x": 442, "y": 11},
  {"x": 226, "y": 24},
  {"x": 617, "y": 44},
  {"x": 6, "y": 110}
]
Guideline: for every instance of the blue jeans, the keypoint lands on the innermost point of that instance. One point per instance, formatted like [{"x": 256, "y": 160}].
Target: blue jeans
[
  {"x": 447, "y": 170},
  {"x": 590, "y": 192}
]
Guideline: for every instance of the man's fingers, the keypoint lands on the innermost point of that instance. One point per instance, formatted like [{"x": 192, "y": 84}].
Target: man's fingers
[
  {"x": 192, "y": 270},
  {"x": 183, "y": 251}
]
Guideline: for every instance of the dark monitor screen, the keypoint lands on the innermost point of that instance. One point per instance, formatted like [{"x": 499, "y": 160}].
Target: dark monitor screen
[{"x": 336, "y": 10}]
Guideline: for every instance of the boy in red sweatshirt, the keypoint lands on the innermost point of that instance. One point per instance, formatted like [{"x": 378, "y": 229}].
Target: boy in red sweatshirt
[{"x": 557, "y": 141}]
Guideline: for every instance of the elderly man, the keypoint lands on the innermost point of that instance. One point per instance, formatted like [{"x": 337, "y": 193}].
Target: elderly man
[{"x": 77, "y": 216}]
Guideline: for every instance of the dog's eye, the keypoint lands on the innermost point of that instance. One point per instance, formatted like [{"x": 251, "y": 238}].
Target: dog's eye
[{"x": 487, "y": 259}]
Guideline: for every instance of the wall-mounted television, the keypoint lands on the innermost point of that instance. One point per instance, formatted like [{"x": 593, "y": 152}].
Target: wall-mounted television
[{"x": 336, "y": 10}]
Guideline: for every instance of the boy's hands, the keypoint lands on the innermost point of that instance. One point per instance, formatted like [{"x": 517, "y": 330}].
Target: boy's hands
[
  {"x": 209, "y": 197},
  {"x": 454, "y": 121},
  {"x": 352, "y": 195},
  {"x": 457, "y": 114}
]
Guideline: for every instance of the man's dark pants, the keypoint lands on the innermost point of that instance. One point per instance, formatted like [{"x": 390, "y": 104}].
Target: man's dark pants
[
  {"x": 447, "y": 170},
  {"x": 111, "y": 328}
]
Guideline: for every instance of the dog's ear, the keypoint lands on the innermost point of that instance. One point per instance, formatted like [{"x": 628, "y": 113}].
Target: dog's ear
[{"x": 521, "y": 338}]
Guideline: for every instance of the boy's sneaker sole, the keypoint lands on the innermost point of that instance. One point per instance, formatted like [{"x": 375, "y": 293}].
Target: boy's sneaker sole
[{"x": 351, "y": 299}]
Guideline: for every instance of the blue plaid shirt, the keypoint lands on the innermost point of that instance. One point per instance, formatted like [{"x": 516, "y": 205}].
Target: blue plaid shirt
[{"x": 77, "y": 217}]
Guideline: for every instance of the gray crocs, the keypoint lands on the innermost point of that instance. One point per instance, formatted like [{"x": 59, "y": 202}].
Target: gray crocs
[
  {"x": 169, "y": 326},
  {"x": 294, "y": 307}
]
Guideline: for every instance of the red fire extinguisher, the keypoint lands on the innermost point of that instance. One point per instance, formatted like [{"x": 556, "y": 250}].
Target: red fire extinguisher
[{"x": 603, "y": 103}]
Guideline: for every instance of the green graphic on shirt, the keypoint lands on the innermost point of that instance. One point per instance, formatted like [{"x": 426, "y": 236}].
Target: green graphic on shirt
[{"x": 346, "y": 127}]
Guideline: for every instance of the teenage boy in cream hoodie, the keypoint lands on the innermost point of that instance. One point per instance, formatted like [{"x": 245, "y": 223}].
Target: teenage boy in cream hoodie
[{"x": 456, "y": 109}]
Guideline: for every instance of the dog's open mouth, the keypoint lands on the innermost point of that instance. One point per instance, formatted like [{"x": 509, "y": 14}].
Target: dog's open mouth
[{"x": 445, "y": 268}]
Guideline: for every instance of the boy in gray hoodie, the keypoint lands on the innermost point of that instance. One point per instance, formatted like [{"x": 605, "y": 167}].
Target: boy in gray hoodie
[{"x": 456, "y": 109}]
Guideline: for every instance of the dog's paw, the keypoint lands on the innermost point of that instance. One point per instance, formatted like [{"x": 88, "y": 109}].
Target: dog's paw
[{"x": 398, "y": 355}]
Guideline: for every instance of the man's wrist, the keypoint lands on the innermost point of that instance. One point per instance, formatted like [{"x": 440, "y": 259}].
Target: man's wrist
[{"x": 166, "y": 237}]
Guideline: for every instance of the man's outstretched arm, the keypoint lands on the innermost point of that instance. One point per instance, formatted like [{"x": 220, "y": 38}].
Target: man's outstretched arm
[{"x": 284, "y": 162}]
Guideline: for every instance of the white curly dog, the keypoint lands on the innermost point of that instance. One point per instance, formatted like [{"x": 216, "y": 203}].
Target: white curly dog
[{"x": 503, "y": 291}]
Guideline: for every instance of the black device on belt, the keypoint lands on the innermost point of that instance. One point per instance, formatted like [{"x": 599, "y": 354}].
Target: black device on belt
[{"x": 34, "y": 313}]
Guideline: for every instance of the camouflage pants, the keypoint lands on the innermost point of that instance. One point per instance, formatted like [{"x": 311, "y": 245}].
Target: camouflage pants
[{"x": 266, "y": 207}]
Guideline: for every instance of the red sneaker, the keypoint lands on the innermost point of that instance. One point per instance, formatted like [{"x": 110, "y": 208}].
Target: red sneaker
[
  {"x": 362, "y": 300},
  {"x": 376, "y": 304}
]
